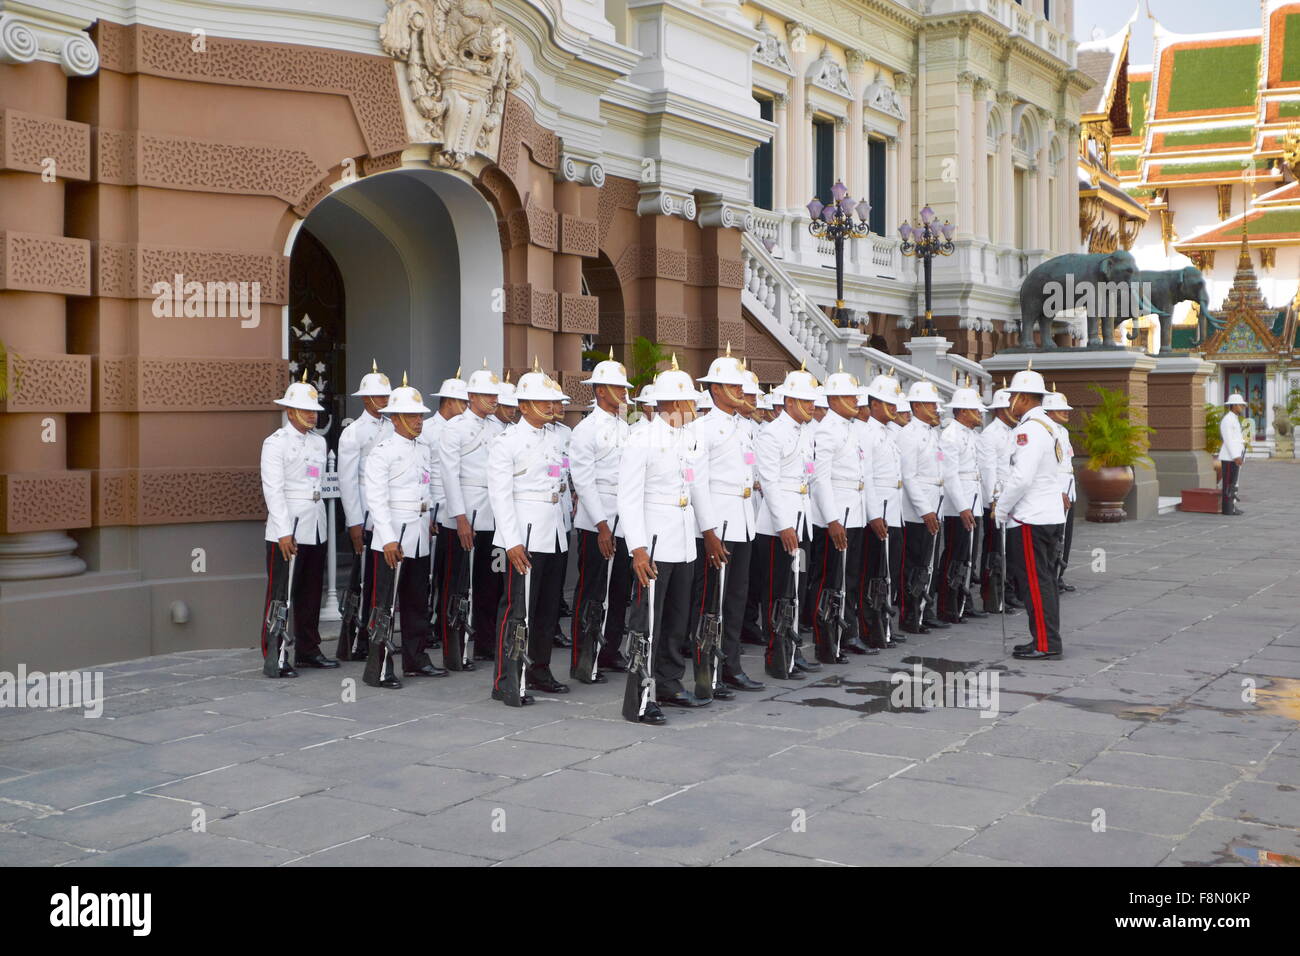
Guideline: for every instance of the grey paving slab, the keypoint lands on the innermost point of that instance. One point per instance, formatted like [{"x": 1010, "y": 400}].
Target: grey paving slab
[
  {"x": 929, "y": 801},
  {"x": 835, "y": 770},
  {"x": 487, "y": 828},
  {"x": 67, "y": 787},
  {"x": 23, "y": 849},
  {"x": 310, "y": 823},
  {"x": 1218, "y": 842},
  {"x": 1125, "y": 808},
  {"x": 684, "y": 837},
  {"x": 1262, "y": 802},
  {"x": 662, "y": 763},
  {"x": 874, "y": 737},
  {"x": 420, "y": 789},
  {"x": 1015, "y": 775},
  {"x": 241, "y": 787},
  {"x": 375, "y": 851},
  {"x": 62, "y": 748},
  {"x": 585, "y": 793},
  {"x": 188, "y": 848},
  {"x": 859, "y": 840},
  {"x": 119, "y": 822},
  {"x": 573, "y": 853},
  {"x": 1055, "y": 745},
  {"x": 1039, "y": 841},
  {"x": 1160, "y": 772},
  {"x": 513, "y": 758}
]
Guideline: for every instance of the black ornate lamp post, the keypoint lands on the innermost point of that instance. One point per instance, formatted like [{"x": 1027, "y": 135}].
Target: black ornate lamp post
[
  {"x": 835, "y": 222},
  {"x": 926, "y": 241}
]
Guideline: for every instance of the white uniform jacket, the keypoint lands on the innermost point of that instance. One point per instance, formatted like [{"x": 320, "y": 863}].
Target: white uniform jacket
[
  {"x": 959, "y": 455},
  {"x": 655, "y": 482},
  {"x": 724, "y": 487},
  {"x": 595, "y": 450},
  {"x": 840, "y": 467},
  {"x": 785, "y": 467},
  {"x": 525, "y": 474},
  {"x": 355, "y": 444},
  {"x": 462, "y": 465},
  {"x": 430, "y": 435},
  {"x": 884, "y": 474},
  {"x": 1234, "y": 446},
  {"x": 1032, "y": 494},
  {"x": 398, "y": 488},
  {"x": 293, "y": 464},
  {"x": 560, "y": 434},
  {"x": 1066, "y": 467},
  {"x": 918, "y": 445},
  {"x": 994, "y": 458}
]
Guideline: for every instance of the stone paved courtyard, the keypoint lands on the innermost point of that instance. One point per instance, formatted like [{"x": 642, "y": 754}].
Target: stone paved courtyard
[{"x": 1142, "y": 727}]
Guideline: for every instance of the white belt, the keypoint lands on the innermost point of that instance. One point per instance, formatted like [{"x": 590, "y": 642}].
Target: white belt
[
  {"x": 892, "y": 486},
  {"x": 791, "y": 486},
  {"x": 736, "y": 491},
  {"x": 849, "y": 485},
  {"x": 968, "y": 474},
  {"x": 474, "y": 484},
  {"x": 420, "y": 506},
  {"x": 679, "y": 502},
  {"x": 937, "y": 482},
  {"x": 314, "y": 496},
  {"x": 549, "y": 498}
]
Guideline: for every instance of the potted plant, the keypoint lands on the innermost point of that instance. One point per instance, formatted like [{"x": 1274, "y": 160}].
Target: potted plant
[
  {"x": 1114, "y": 442},
  {"x": 1213, "y": 439}
]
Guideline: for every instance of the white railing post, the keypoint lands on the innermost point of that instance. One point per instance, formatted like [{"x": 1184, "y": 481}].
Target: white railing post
[{"x": 329, "y": 611}]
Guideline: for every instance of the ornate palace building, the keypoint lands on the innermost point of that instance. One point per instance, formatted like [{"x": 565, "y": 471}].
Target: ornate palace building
[{"x": 198, "y": 199}]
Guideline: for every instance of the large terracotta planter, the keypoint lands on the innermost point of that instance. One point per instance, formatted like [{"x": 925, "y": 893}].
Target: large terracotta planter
[{"x": 1107, "y": 488}]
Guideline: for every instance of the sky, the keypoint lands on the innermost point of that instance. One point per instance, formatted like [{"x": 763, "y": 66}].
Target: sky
[{"x": 1178, "y": 16}]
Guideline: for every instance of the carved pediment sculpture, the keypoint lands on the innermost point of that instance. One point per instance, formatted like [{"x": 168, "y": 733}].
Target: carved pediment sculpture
[
  {"x": 769, "y": 49},
  {"x": 459, "y": 60},
  {"x": 883, "y": 97},
  {"x": 829, "y": 75}
]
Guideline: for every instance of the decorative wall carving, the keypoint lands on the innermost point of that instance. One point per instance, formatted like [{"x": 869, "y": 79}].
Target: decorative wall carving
[
  {"x": 770, "y": 50},
  {"x": 369, "y": 82},
  {"x": 47, "y": 501},
  {"x": 572, "y": 384},
  {"x": 526, "y": 305},
  {"x": 579, "y": 313},
  {"x": 33, "y": 262},
  {"x": 459, "y": 61},
  {"x": 518, "y": 128},
  {"x": 541, "y": 223},
  {"x": 134, "y": 384},
  {"x": 128, "y": 271},
  {"x": 131, "y": 158},
  {"x": 176, "y": 496},
  {"x": 883, "y": 97},
  {"x": 28, "y": 140},
  {"x": 49, "y": 383},
  {"x": 618, "y": 193},
  {"x": 579, "y": 237}
]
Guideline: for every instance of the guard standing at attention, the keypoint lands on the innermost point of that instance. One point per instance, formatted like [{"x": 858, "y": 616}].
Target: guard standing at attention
[
  {"x": 452, "y": 401},
  {"x": 355, "y": 444},
  {"x": 600, "y": 599},
  {"x": 398, "y": 483},
  {"x": 995, "y": 440},
  {"x": 885, "y": 528},
  {"x": 918, "y": 445},
  {"x": 962, "y": 507},
  {"x": 1232, "y": 453},
  {"x": 1058, "y": 410},
  {"x": 293, "y": 464},
  {"x": 1030, "y": 505}
]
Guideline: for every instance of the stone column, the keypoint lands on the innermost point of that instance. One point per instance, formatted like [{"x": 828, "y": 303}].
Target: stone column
[
  {"x": 781, "y": 151},
  {"x": 1067, "y": 180},
  {"x": 855, "y": 177},
  {"x": 965, "y": 185},
  {"x": 1042, "y": 217},
  {"x": 980, "y": 160},
  {"x": 1176, "y": 404},
  {"x": 1007, "y": 181},
  {"x": 841, "y": 152},
  {"x": 797, "y": 124},
  {"x": 900, "y": 155}
]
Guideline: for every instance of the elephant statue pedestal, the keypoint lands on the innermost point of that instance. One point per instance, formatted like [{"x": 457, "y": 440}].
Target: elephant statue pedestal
[{"x": 1176, "y": 403}]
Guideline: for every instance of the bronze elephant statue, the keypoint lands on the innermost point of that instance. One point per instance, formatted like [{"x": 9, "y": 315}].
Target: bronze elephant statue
[
  {"x": 1100, "y": 283},
  {"x": 1164, "y": 289}
]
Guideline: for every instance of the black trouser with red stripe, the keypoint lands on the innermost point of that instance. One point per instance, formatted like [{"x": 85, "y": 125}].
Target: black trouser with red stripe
[
  {"x": 1230, "y": 471},
  {"x": 752, "y": 630},
  {"x": 827, "y": 565},
  {"x": 735, "y": 597},
  {"x": 956, "y": 554},
  {"x": 440, "y": 582},
  {"x": 543, "y": 611},
  {"x": 920, "y": 550},
  {"x": 672, "y": 613},
  {"x": 870, "y": 568},
  {"x": 1031, "y": 549},
  {"x": 1065, "y": 546},
  {"x": 592, "y": 567},
  {"x": 412, "y": 602},
  {"x": 485, "y": 587},
  {"x": 776, "y": 568},
  {"x": 304, "y": 612}
]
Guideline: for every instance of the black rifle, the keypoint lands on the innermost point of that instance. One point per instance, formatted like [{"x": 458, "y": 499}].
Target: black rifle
[
  {"x": 1236, "y": 484},
  {"x": 1058, "y": 552},
  {"x": 923, "y": 597},
  {"x": 964, "y": 569},
  {"x": 517, "y": 662},
  {"x": 384, "y": 643},
  {"x": 830, "y": 607},
  {"x": 638, "y": 648},
  {"x": 785, "y": 622},
  {"x": 279, "y": 637},
  {"x": 880, "y": 590},
  {"x": 1002, "y": 594},
  {"x": 591, "y": 622},
  {"x": 456, "y": 653},
  {"x": 350, "y": 602},
  {"x": 708, "y": 637}
]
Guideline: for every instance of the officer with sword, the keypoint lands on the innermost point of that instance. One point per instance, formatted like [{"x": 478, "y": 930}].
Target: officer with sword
[
  {"x": 1058, "y": 410},
  {"x": 884, "y": 533},
  {"x": 922, "y": 499},
  {"x": 962, "y": 510}
]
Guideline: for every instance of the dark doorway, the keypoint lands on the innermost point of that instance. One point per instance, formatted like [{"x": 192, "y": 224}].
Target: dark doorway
[{"x": 318, "y": 329}]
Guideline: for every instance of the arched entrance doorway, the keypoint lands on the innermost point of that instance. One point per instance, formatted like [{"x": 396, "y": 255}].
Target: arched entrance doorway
[{"x": 413, "y": 265}]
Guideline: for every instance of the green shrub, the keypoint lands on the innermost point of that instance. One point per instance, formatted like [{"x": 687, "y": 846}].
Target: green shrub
[
  {"x": 1213, "y": 440},
  {"x": 1110, "y": 436}
]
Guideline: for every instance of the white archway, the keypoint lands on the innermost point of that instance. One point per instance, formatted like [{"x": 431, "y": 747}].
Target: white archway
[{"x": 420, "y": 258}]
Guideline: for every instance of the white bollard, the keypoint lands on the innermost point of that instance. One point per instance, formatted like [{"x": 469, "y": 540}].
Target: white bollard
[{"x": 330, "y": 492}]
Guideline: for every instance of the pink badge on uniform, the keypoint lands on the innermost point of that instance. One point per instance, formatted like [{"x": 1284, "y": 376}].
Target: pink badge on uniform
[
  {"x": 689, "y": 474},
  {"x": 313, "y": 471},
  {"x": 1022, "y": 439},
  {"x": 808, "y": 467},
  {"x": 749, "y": 457},
  {"x": 424, "y": 477},
  {"x": 565, "y": 461},
  {"x": 553, "y": 471}
]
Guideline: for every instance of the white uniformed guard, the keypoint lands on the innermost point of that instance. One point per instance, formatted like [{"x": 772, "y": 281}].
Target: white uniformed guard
[
  {"x": 1058, "y": 410},
  {"x": 842, "y": 498},
  {"x": 1232, "y": 453},
  {"x": 885, "y": 476},
  {"x": 525, "y": 477},
  {"x": 1031, "y": 507},
  {"x": 918, "y": 445},
  {"x": 507, "y": 412},
  {"x": 784, "y": 450},
  {"x": 293, "y": 464},
  {"x": 467, "y": 515},
  {"x": 962, "y": 504},
  {"x": 995, "y": 466},
  {"x": 758, "y": 410},
  {"x": 355, "y": 444},
  {"x": 646, "y": 402},
  {"x": 604, "y": 570},
  {"x": 657, "y": 475},
  {"x": 560, "y": 433},
  {"x": 398, "y": 482},
  {"x": 453, "y": 399},
  {"x": 724, "y": 511}
]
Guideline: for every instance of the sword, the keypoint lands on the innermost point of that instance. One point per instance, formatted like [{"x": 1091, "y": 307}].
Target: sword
[
  {"x": 844, "y": 573},
  {"x": 604, "y": 608},
  {"x": 888, "y": 599},
  {"x": 648, "y": 681},
  {"x": 528, "y": 581},
  {"x": 929, "y": 571},
  {"x": 722, "y": 589},
  {"x": 466, "y": 655},
  {"x": 1002, "y": 530},
  {"x": 970, "y": 559}
]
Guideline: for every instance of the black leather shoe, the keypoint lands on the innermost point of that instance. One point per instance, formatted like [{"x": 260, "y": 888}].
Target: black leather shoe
[
  {"x": 1062, "y": 586},
  {"x": 1236, "y": 511},
  {"x": 313, "y": 660},
  {"x": 287, "y": 671},
  {"x": 498, "y": 695},
  {"x": 362, "y": 651},
  {"x": 547, "y": 683},
  {"x": 897, "y": 638},
  {"x": 435, "y": 644},
  {"x": 810, "y": 666},
  {"x": 584, "y": 679},
  {"x": 480, "y": 656},
  {"x": 971, "y": 612},
  {"x": 935, "y": 624},
  {"x": 1036, "y": 655},
  {"x": 652, "y": 715},
  {"x": 1024, "y": 647},
  {"x": 911, "y": 628},
  {"x": 723, "y": 692},
  {"x": 427, "y": 670},
  {"x": 561, "y": 639},
  {"x": 950, "y": 619},
  {"x": 742, "y": 682},
  {"x": 388, "y": 683},
  {"x": 682, "y": 698},
  {"x": 1013, "y": 603}
]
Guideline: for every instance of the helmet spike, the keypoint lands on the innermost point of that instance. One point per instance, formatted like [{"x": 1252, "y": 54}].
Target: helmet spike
[
  {"x": 1030, "y": 365},
  {"x": 611, "y": 353},
  {"x": 841, "y": 365},
  {"x": 457, "y": 375},
  {"x": 537, "y": 366},
  {"x": 485, "y": 361},
  {"x": 403, "y": 378},
  {"x": 374, "y": 366},
  {"x": 304, "y": 374},
  {"x": 803, "y": 364},
  {"x": 728, "y": 348},
  {"x": 675, "y": 366}
]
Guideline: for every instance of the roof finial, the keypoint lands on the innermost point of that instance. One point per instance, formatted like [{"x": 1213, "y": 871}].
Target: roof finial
[{"x": 374, "y": 366}]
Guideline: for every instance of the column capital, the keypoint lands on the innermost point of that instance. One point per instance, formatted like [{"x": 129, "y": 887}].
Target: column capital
[
  {"x": 798, "y": 35},
  {"x": 982, "y": 87},
  {"x": 966, "y": 81},
  {"x": 903, "y": 83},
  {"x": 857, "y": 59},
  {"x": 1006, "y": 99},
  {"x": 780, "y": 100},
  {"x": 54, "y": 38},
  {"x": 841, "y": 124}
]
